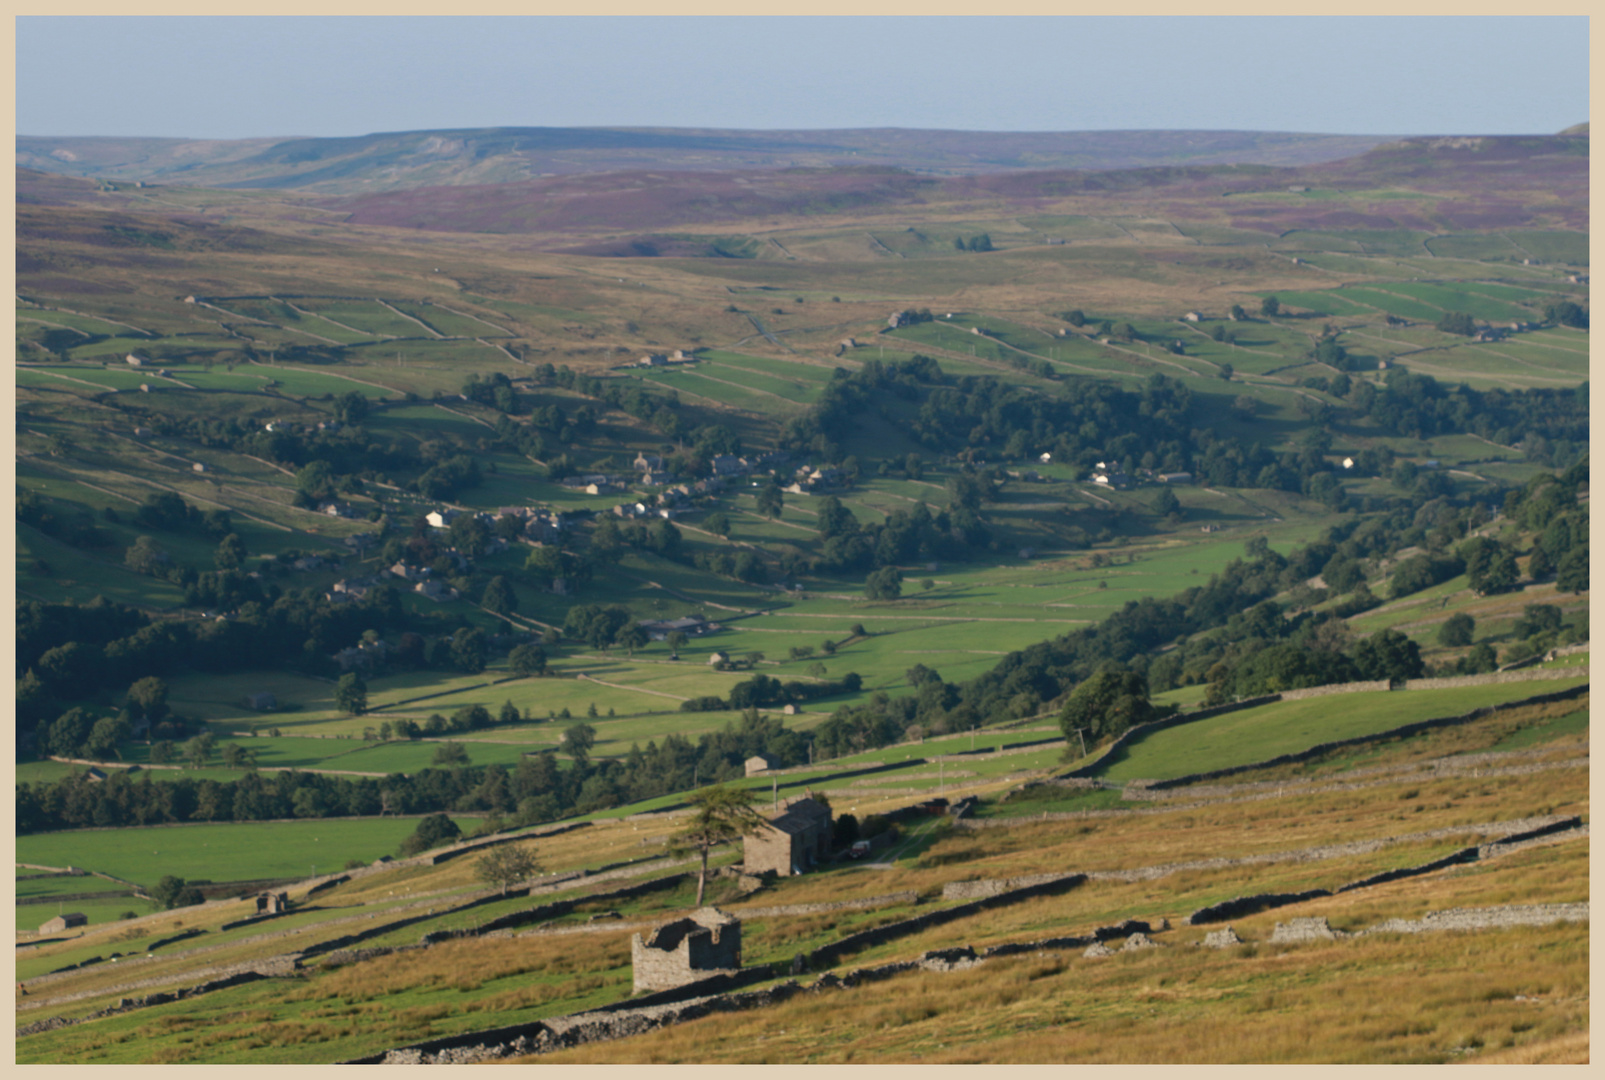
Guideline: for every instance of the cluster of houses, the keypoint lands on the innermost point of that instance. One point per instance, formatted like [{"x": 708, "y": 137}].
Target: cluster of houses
[
  {"x": 594, "y": 483},
  {"x": 678, "y": 356},
  {"x": 364, "y": 654},
  {"x": 811, "y": 481},
  {"x": 724, "y": 469},
  {"x": 1110, "y": 474},
  {"x": 689, "y": 625},
  {"x": 330, "y": 426},
  {"x": 540, "y": 525}
]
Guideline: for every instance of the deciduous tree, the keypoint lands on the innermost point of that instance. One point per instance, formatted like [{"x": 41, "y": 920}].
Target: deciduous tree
[{"x": 506, "y": 865}]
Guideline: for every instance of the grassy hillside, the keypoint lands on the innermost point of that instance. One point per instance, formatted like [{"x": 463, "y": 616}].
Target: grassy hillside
[{"x": 1472, "y": 1013}]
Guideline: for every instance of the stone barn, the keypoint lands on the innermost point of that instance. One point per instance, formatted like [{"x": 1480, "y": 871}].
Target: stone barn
[
  {"x": 64, "y": 922},
  {"x": 759, "y": 763},
  {"x": 704, "y": 944},
  {"x": 272, "y": 903},
  {"x": 792, "y": 842}
]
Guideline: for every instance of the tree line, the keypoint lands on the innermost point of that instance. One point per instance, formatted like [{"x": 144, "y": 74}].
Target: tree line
[{"x": 540, "y": 788}]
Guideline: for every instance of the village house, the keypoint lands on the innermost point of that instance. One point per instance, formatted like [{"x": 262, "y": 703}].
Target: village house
[
  {"x": 700, "y": 946},
  {"x": 727, "y": 465},
  {"x": 792, "y": 842},
  {"x": 543, "y": 529},
  {"x": 434, "y": 590},
  {"x": 1175, "y": 478},
  {"x": 440, "y": 519},
  {"x": 647, "y": 463},
  {"x": 1113, "y": 478},
  {"x": 818, "y": 481}
]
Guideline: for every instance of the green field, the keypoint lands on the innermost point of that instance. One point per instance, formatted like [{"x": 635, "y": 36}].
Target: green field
[
  {"x": 1252, "y": 735},
  {"x": 225, "y": 851}
]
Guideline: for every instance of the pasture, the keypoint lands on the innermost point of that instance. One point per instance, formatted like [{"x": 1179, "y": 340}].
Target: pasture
[
  {"x": 1250, "y": 735},
  {"x": 223, "y": 851}
]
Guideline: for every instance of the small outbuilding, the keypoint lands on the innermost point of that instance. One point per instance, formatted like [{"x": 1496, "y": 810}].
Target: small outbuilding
[
  {"x": 64, "y": 922},
  {"x": 759, "y": 763}
]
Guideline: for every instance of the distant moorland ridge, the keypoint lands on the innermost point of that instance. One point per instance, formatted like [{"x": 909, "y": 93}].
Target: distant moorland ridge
[{"x": 401, "y": 160}]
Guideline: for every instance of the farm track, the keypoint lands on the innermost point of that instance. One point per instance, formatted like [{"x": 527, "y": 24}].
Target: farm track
[
  {"x": 333, "y": 374},
  {"x": 773, "y": 340},
  {"x": 214, "y": 502},
  {"x": 744, "y": 387},
  {"x": 634, "y": 689}
]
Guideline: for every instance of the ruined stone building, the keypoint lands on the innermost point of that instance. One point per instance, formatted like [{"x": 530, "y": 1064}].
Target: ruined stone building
[
  {"x": 272, "y": 903},
  {"x": 704, "y": 944},
  {"x": 792, "y": 842}
]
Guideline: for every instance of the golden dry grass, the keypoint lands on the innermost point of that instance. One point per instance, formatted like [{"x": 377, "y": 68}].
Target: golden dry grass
[{"x": 1359, "y": 1001}]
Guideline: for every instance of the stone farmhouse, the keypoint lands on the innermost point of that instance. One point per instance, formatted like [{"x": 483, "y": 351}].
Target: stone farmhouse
[
  {"x": 792, "y": 842},
  {"x": 704, "y": 944}
]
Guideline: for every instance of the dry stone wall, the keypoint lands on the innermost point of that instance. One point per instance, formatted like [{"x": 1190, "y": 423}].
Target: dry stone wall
[
  {"x": 888, "y": 900},
  {"x": 1495, "y": 678},
  {"x": 1336, "y": 688},
  {"x": 1247, "y": 905}
]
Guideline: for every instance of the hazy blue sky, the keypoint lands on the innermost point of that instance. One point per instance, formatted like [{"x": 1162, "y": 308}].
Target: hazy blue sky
[{"x": 237, "y": 77}]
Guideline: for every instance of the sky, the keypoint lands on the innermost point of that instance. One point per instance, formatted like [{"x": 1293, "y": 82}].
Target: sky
[{"x": 220, "y": 78}]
